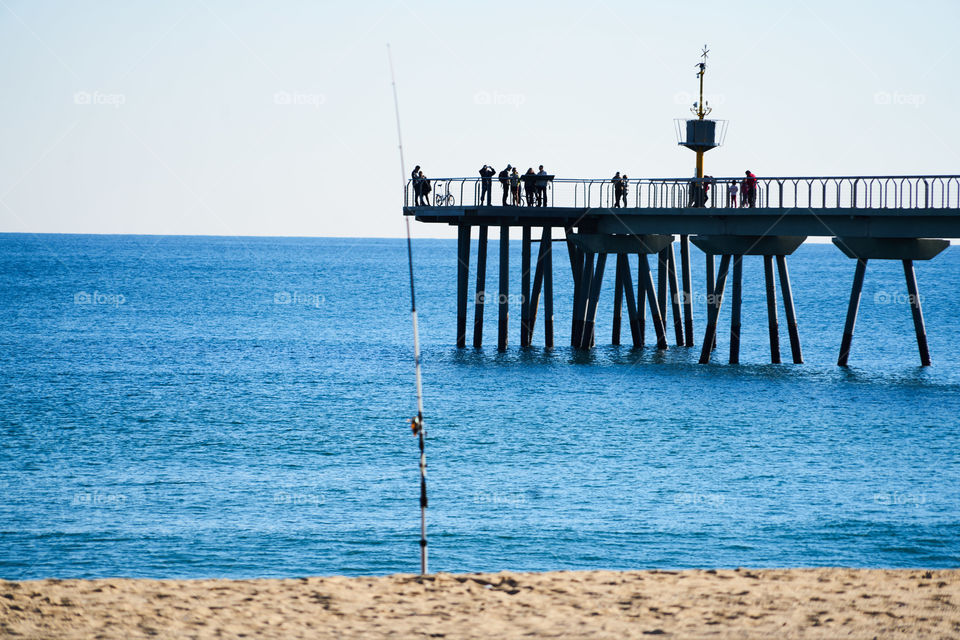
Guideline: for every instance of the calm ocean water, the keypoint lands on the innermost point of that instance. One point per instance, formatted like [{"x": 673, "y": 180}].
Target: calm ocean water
[{"x": 198, "y": 407}]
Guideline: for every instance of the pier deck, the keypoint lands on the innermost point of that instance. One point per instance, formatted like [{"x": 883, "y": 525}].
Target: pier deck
[{"x": 904, "y": 218}]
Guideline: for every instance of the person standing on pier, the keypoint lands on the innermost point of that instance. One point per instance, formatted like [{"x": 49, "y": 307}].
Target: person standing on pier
[
  {"x": 750, "y": 193},
  {"x": 529, "y": 185},
  {"x": 617, "y": 189},
  {"x": 626, "y": 187},
  {"x": 515, "y": 187},
  {"x": 423, "y": 191},
  {"x": 541, "y": 188},
  {"x": 732, "y": 194},
  {"x": 415, "y": 183},
  {"x": 504, "y": 177},
  {"x": 486, "y": 183}
]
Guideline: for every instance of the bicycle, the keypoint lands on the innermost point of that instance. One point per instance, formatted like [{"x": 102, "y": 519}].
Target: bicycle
[{"x": 445, "y": 199}]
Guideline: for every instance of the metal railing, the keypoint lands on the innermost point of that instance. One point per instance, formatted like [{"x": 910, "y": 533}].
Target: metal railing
[{"x": 837, "y": 192}]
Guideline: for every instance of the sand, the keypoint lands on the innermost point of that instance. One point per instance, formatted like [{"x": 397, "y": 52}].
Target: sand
[{"x": 742, "y": 603}]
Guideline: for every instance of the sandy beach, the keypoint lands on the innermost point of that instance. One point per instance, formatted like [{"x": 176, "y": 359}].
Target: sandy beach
[{"x": 741, "y": 603}]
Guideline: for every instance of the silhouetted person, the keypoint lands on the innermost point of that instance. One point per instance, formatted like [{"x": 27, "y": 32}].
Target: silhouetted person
[
  {"x": 617, "y": 190},
  {"x": 486, "y": 183},
  {"x": 529, "y": 186},
  {"x": 751, "y": 193},
  {"x": 424, "y": 189},
  {"x": 415, "y": 182},
  {"x": 515, "y": 187},
  {"x": 626, "y": 187},
  {"x": 541, "y": 188},
  {"x": 697, "y": 194},
  {"x": 504, "y": 177}
]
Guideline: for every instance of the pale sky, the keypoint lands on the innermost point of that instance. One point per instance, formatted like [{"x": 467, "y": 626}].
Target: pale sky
[{"x": 276, "y": 118}]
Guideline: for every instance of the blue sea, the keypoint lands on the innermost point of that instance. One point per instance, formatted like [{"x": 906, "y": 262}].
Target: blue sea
[{"x": 185, "y": 407}]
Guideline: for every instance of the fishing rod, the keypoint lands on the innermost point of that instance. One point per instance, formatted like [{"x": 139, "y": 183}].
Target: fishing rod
[{"x": 416, "y": 423}]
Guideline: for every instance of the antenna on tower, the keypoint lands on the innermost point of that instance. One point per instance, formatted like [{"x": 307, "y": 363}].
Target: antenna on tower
[{"x": 702, "y": 108}]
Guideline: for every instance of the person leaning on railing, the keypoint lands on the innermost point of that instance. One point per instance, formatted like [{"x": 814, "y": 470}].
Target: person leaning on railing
[
  {"x": 542, "y": 187},
  {"x": 529, "y": 186}
]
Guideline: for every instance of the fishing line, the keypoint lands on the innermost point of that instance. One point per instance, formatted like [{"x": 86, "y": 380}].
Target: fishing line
[{"x": 416, "y": 422}]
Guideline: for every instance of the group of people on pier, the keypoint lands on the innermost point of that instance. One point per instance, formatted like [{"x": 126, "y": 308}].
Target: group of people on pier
[
  {"x": 534, "y": 186},
  {"x": 746, "y": 189}
]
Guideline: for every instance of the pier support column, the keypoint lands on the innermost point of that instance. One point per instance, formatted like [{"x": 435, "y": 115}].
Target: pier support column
[
  {"x": 525, "y": 251},
  {"x": 687, "y": 290},
  {"x": 593, "y": 300},
  {"x": 576, "y": 266},
  {"x": 647, "y": 278},
  {"x": 917, "y": 312},
  {"x": 674, "y": 295},
  {"x": 662, "y": 281},
  {"x": 714, "y": 314},
  {"x": 481, "y": 294},
  {"x": 503, "y": 325},
  {"x": 711, "y": 283},
  {"x": 635, "y": 332},
  {"x": 580, "y": 311},
  {"x": 735, "y": 304},
  {"x": 463, "y": 272},
  {"x": 852, "y": 312},
  {"x": 539, "y": 273},
  {"x": 788, "y": 309},
  {"x": 617, "y": 300},
  {"x": 641, "y": 305},
  {"x": 773, "y": 326},
  {"x": 547, "y": 240}
]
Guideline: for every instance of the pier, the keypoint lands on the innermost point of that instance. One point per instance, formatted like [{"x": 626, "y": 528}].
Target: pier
[{"x": 905, "y": 218}]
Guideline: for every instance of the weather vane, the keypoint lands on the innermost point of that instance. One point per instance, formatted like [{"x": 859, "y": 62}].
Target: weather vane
[{"x": 702, "y": 108}]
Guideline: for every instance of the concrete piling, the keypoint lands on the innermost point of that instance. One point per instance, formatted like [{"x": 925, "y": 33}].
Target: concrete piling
[
  {"x": 685, "y": 272},
  {"x": 463, "y": 272},
  {"x": 736, "y": 300},
  {"x": 713, "y": 317},
  {"x": 772, "y": 324},
  {"x": 503, "y": 324},
  {"x": 481, "y": 294},
  {"x": 674, "y": 295},
  {"x": 787, "y": 293},
  {"x": 852, "y": 309},
  {"x": 917, "y": 310}
]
